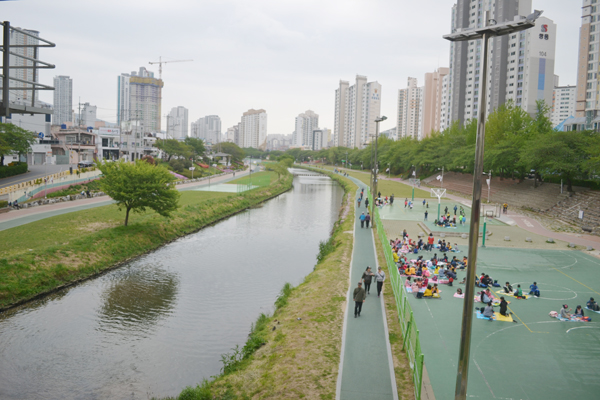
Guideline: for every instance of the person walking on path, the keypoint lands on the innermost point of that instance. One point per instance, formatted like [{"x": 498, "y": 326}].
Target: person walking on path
[
  {"x": 368, "y": 219},
  {"x": 359, "y": 299},
  {"x": 405, "y": 202},
  {"x": 359, "y": 198},
  {"x": 423, "y": 202},
  {"x": 392, "y": 199},
  {"x": 362, "y": 220},
  {"x": 426, "y": 213},
  {"x": 367, "y": 203},
  {"x": 380, "y": 276},
  {"x": 366, "y": 277},
  {"x": 455, "y": 209},
  {"x": 378, "y": 195}
]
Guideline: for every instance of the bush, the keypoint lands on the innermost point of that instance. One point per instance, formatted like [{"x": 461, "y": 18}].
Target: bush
[
  {"x": 179, "y": 164},
  {"x": 3, "y": 203},
  {"x": 12, "y": 170},
  {"x": 592, "y": 184}
]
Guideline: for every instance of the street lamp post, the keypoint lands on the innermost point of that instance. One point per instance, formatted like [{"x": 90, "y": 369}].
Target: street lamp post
[
  {"x": 484, "y": 33},
  {"x": 375, "y": 166},
  {"x": 489, "y": 183},
  {"x": 389, "y": 169},
  {"x": 414, "y": 174}
]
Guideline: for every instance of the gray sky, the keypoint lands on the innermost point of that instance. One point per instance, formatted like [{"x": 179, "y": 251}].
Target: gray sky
[{"x": 286, "y": 56}]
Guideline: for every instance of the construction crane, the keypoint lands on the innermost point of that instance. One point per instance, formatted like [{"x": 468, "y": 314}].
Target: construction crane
[{"x": 160, "y": 62}]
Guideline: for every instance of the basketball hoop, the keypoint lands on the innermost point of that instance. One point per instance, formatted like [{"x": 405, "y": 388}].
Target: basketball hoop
[
  {"x": 439, "y": 193},
  {"x": 415, "y": 182}
]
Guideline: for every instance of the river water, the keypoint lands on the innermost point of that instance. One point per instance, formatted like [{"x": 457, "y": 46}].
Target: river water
[{"x": 161, "y": 322}]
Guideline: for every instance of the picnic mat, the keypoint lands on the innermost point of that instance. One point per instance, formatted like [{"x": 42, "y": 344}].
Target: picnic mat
[
  {"x": 496, "y": 317},
  {"x": 501, "y": 292}
]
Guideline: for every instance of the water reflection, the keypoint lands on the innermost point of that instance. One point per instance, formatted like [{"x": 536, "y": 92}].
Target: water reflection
[{"x": 136, "y": 300}]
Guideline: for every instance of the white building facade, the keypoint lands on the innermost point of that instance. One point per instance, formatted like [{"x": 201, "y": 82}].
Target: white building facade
[
  {"x": 208, "y": 129},
  {"x": 177, "y": 123},
  {"x": 253, "y": 129},
  {"x": 410, "y": 106},
  {"x": 305, "y": 124},
  {"x": 563, "y": 103},
  {"x": 63, "y": 100},
  {"x": 356, "y": 108}
]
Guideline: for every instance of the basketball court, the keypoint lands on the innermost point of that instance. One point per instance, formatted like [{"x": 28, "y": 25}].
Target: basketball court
[{"x": 537, "y": 357}]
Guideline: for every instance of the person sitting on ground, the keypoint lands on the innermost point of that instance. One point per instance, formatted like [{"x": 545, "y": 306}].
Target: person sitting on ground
[
  {"x": 454, "y": 262},
  {"x": 534, "y": 290},
  {"x": 421, "y": 291},
  {"x": 496, "y": 284},
  {"x": 519, "y": 293},
  {"x": 579, "y": 312},
  {"x": 419, "y": 271},
  {"x": 487, "y": 281},
  {"x": 484, "y": 298},
  {"x": 441, "y": 272},
  {"x": 488, "y": 311},
  {"x": 410, "y": 270},
  {"x": 428, "y": 292},
  {"x": 450, "y": 274},
  {"x": 407, "y": 282},
  {"x": 503, "y": 307},
  {"x": 396, "y": 257},
  {"x": 564, "y": 313},
  {"x": 459, "y": 291},
  {"x": 592, "y": 305},
  {"x": 463, "y": 281},
  {"x": 435, "y": 290},
  {"x": 508, "y": 288},
  {"x": 465, "y": 261},
  {"x": 445, "y": 257}
]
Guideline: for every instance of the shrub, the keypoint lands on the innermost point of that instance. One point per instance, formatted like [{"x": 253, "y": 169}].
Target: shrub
[{"x": 12, "y": 170}]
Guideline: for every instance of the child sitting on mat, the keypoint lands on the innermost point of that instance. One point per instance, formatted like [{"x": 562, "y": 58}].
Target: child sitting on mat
[
  {"x": 534, "y": 290},
  {"x": 592, "y": 305},
  {"x": 428, "y": 292},
  {"x": 519, "y": 293},
  {"x": 564, "y": 313},
  {"x": 579, "y": 312},
  {"x": 508, "y": 288},
  {"x": 488, "y": 311}
]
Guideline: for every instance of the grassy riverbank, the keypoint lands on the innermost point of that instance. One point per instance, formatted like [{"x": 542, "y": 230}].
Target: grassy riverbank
[
  {"x": 295, "y": 352},
  {"x": 42, "y": 256}
]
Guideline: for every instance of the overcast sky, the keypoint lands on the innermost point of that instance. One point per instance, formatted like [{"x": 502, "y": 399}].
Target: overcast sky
[{"x": 285, "y": 56}]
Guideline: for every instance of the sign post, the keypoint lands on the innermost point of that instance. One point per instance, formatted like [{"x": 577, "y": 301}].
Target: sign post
[{"x": 192, "y": 169}]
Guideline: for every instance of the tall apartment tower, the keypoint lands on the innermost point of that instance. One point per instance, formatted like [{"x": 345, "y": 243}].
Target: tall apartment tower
[
  {"x": 433, "y": 93},
  {"x": 409, "y": 107},
  {"x": 588, "y": 88},
  {"x": 208, "y": 129},
  {"x": 305, "y": 124},
  {"x": 356, "y": 108},
  {"x": 18, "y": 95},
  {"x": 88, "y": 116},
  {"x": 139, "y": 99},
  {"x": 63, "y": 100},
  {"x": 563, "y": 103},
  {"x": 521, "y": 64},
  {"x": 177, "y": 123},
  {"x": 253, "y": 129}
]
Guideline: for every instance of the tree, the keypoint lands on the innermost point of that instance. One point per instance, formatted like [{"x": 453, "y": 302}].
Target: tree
[
  {"x": 236, "y": 153},
  {"x": 173, "y": 147},
  {"x": 197, "y": 146},
  {"x": 140, "y": 185},
  {"x": 14, "y": 139}
]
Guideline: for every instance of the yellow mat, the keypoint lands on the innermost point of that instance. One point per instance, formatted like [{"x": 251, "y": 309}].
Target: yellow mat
[
  {"x": 501, "y": 293},
  {"x": 500, "y": 317}
]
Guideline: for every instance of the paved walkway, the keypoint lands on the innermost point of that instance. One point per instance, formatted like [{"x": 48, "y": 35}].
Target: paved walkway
[
  {"x": 366, "y": 367},
  {"x": 24, "y": 216}
]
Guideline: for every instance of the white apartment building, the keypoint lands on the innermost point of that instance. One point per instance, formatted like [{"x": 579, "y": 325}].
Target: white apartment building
[
  {"x": 521, "y": 66},
  {"x": 305, "y": 124},
  {"x": 139, "y": 99},
  {"x": 409, "y": 110},
  {"x": 232, "y": 134},
  {"x": 432, "y": 99},
  {"x": 253, "y": 129},
  {"x": 63, "y": 100},
  {"x": 208, "y": 129},
  {"x": 356, "y": 108},
  {"x": 588, "y": 89},
  {"x": 563, "y": 103},
  {"x": 177, "y": 123},
  {"x": 88, "y": 115},
  {"x": 22, "y": 96},
  {"x": 445, "y": 103}
]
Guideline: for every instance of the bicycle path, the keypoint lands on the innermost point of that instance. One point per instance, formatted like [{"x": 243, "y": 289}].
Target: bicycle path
[
  {"x": 366, "y": 366},
  {"x": 24, "y": 216}
]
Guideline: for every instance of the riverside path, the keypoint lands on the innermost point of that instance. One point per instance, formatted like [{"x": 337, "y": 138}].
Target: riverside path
[{"x": 366, "y": 366}]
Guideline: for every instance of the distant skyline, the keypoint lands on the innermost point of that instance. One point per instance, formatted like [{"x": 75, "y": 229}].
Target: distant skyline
[{"x": 282, "y": 56}]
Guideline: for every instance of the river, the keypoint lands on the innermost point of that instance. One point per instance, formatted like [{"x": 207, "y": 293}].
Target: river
[{"x": 161, "y": 322}]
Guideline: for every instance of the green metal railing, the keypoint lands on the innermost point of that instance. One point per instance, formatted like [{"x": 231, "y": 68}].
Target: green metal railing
[{"x": 410, "y": 342}]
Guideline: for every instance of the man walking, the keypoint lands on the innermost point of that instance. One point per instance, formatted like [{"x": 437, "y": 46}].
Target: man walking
[
  {"x": 362, "y": 220},
  {"x": 426, "y": 213},
  {"x": 368, "y": 219},
  {"x": 359, "y": 299},
  {"x": 367, "y": 203},
  {"x": 380, "y": 276}
]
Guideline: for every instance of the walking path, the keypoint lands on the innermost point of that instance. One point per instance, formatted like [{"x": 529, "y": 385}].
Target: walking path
[
  {"x": 26, "y": 215},
  {"x": 366, "y": 366}
]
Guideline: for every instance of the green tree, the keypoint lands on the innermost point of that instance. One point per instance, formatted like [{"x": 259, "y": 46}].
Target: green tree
[
  {"x": 236, "y": 153},
  {"x": 14, "y": 139},
  {"x": 138, "y": 186},
  {"x": 196, "y": 145},
  {"x": 173, "y": 147}
]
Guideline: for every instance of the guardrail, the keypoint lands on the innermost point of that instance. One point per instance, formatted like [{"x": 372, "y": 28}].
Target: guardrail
[{"x": 411, "y": 342}]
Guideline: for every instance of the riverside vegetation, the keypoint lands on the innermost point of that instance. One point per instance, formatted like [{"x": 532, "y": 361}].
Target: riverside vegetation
[
  {"x": 45, "y": 255},
  {"x": 295, "y": 352}
]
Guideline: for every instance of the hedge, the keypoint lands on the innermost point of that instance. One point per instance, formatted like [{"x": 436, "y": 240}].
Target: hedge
[
  {"x": 19, "y": 168},
  {"x": 592, "y": 184}
]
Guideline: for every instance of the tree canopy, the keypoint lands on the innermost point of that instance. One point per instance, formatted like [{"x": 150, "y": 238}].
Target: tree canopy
[
  {"x": 138, "y": 186},
  {"x": 173, "y": 147},
  {"x": 14, "y": 139}
]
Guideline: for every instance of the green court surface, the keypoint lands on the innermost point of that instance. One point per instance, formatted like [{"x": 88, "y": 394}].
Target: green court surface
[
  {"x": 225, "y": 187},
  {"x": 536, "y": 358}
]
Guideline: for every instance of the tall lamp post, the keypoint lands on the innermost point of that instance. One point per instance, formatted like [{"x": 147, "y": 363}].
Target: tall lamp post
[
  {"x": 489, "y": 182},
  {"x": 484, "y": 33},
  {"x": 414, "y": 174},
  {"x": 375, "y": 168}
]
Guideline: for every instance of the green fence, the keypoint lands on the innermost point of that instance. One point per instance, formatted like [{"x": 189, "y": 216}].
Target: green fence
[{"x": 410, "y": 343}]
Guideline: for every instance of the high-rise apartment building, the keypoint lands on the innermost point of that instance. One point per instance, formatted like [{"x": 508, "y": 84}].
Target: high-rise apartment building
[
  {"x": 88, "y": 116},
  {"x": 409, "y": 110},
  {"x": 445, "y": 104},
  {"x": 232, "y": 134},
  {"x": 521, "y": 66},
  {"x": 139, "y": 99},
  {"x": 563, "y": 103},
  {"x": 253, "y": 129},
  {"x": 356, "y": 108},
  {"x": 588, "y": 89},
  {"x": 305, "y": 124},
  {"x": 21, "y": 68},
  {"x": 208, "y": 129},
  {"x": 63, "y": 100},
  {"x": 433, "y": 93},
  {"x": 177, "y": 123}
]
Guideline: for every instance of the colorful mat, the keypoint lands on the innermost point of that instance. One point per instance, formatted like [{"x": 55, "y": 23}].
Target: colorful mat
[
  {"x": 496, "y": 317},
  {"x": 501, "y": 292}
]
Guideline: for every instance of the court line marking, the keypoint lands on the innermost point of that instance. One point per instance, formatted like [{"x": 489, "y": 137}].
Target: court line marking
[
  {"x": 583, "y": 327},
  {"x": 483, "y": 376},
  {"x": 515, "y": 314},
  {"x": 582, "y": 284}
]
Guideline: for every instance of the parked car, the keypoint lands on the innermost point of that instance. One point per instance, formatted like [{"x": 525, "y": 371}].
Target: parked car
[{"x": 85, "y": 164}]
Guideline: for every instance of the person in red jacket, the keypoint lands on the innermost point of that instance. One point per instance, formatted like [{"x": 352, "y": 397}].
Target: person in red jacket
[{"x": 430, "y": 241}]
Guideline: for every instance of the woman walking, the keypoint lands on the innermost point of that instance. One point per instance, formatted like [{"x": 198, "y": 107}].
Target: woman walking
[
  {"x": 380, "y": 276},
  {"x": 367, "y": 276}
]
